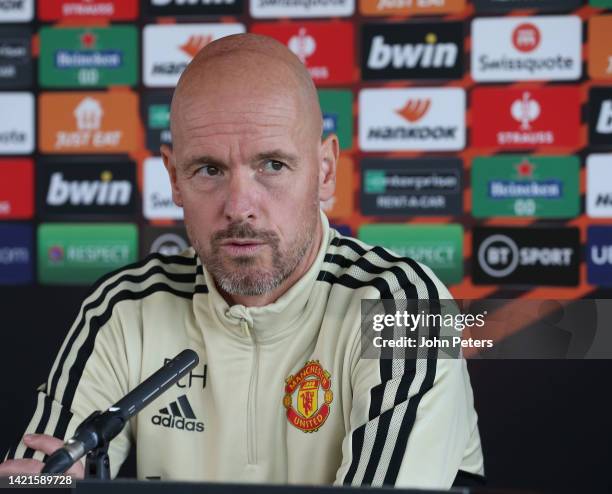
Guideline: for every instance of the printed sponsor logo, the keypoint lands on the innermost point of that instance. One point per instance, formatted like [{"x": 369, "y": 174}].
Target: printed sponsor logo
[
  {"x": 308, "y": 397},
  {"x": 116, "y": 10},
  {"x": 600, "y": 50},
  {"x": 178, "y": 415},
  {"x": 440, "y": 247},
  {"x": 600, "y": 116},
  {"x": 90, "y": 57},
  {"x": 599, "y": 255},
  {"x": 337, "y": 108},
  {"x": 603, "y": 4},
  {"x": 269, "y": 9},
  {"x": 16, "y": 259},
  {"x": 414, "y": 51},
  {"x": 156, "y": 116},
  {"x": 157, "y": 194},
  {"x": 193, "y": 378},
  {"x": 16, "y": 189},
  {"x": 17, "y": 132},
  {"x": 539, "y": 5},
  {"x": 79, "y": 122},
  {"x": 410, "y": 7},
  {"x": 527, "y": 48},
  {"x": 522, "y": 119},
  {"x": 325, "y": 48},
  {"x": 526, "y": 256},
  {"x": 15, "y": 58},
  {"x": 86, "y": 187},
  {"x": 341, "y": 205},
  {"x": 169, "y": 48},
  {"x": 168, "y": 241},
  {"x": 73, "y": 254},
  {"x": 194, "y": 7},
  {"x": 599, "y": 186},
  {"x": 424, "y": 119},
  {"x": 428, "y": 186},
  {"x": 537, "y": 186},
  {"x": 16, "y": 10}
]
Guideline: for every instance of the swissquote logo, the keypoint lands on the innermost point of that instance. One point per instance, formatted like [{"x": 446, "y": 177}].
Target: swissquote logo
[
  {"x": 178, "y": 415},
  {"x": 261, "y": 9},
  {"x": 527, "y": 48},
  {"x": 412, "y": 119},
  {"x": 420, "y": 51},
  {"x": 325, "y": 48},
  {"x": 157, "y": 192},
  {"x": 519, "y": 119},
  {"x": 169, "y": 48}
]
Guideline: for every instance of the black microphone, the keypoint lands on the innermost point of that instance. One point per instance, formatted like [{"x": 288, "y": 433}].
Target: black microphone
[{"x": 101, "y": 427}]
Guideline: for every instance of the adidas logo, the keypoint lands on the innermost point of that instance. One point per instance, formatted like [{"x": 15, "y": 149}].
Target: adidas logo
[{"x": 178, "y": 415}]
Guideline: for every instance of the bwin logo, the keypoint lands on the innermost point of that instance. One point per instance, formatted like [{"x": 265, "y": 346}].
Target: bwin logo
[
  {"x": 409, "y": 56},
  {"x": 103, "y": 192},
  {"x": 172, "y": 417}
]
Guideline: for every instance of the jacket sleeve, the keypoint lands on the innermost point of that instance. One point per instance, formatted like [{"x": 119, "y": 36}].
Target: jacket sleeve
[
  {"x": 412, "y": 423},
  {"x": 89, "y": 373}
]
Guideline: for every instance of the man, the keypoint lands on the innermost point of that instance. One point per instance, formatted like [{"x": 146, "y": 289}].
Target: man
[{"x": 269, "y": 297}]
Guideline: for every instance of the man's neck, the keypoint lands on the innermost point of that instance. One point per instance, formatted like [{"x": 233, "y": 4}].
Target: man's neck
[{"x": 270, "y": 297}]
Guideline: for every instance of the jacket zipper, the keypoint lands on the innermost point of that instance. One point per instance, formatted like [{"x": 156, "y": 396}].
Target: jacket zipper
[{"x": 251, "y": 401}]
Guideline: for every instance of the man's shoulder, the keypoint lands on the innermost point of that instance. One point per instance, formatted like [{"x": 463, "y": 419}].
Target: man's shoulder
[
  {"x": 356, "y": 264},
  {"x": 174, "y": 274}
]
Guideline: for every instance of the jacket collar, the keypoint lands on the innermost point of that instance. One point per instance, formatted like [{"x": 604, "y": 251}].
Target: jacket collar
[{"x": 267, "y": 322}]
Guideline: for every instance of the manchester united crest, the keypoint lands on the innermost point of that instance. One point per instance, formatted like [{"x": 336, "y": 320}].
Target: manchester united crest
[{"x": 308, "y": 396}]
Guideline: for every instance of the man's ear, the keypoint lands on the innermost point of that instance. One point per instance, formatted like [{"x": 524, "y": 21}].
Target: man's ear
[
  {"x": 169, "y": 163},
  {"x": 330, "y": 151}
]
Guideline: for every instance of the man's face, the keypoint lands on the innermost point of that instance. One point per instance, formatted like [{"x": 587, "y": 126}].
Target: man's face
[{"x": 247, "y": 176}]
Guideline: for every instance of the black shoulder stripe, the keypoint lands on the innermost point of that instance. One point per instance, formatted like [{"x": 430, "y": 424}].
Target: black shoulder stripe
[
  {"x": 430, "y": 375},
  {"x": 97, "y": 322},
  {"x": 181, "y": 278},
  {"x": 178, "y": 277},
  {"x": 401, "y": 394},
  {"x": 346, "y": 241},
  {"x": 42, "y": 423},
  {"x": 76, "y": 371},
  {"x": 182, "y": 260}
]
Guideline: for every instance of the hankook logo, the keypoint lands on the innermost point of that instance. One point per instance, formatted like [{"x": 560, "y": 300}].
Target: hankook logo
[{"x": 420, "y": 119}]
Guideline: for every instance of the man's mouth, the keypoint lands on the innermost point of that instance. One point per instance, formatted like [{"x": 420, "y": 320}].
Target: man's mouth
[{"x": 241, "y": 246}]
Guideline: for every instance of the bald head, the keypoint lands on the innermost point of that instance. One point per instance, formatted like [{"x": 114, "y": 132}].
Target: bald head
[{"x": 251, "y": 67}]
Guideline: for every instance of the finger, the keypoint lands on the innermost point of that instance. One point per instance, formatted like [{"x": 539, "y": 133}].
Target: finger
[
  {"x": 21, "y": 466},
  {"x": 42, "y": 442}
]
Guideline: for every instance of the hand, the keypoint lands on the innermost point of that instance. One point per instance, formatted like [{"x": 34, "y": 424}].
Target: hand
[{"x": 38, "y": 442}]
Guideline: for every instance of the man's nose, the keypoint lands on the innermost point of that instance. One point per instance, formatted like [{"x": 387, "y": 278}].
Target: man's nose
[{"x": 240, "y": 200}]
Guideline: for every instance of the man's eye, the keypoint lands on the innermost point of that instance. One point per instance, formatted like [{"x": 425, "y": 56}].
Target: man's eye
[
  {"x": 209, "y": 171},
  {"x": 273, "y": 166}
]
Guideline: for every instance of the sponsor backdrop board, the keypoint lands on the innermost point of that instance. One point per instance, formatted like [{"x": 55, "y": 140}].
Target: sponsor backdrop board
[
  {"x": 431, "y": 112},
  {"x": 458, "y": 120}
]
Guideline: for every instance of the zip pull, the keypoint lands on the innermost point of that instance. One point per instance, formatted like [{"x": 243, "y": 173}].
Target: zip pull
[{"x": 245, "y": 327}]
